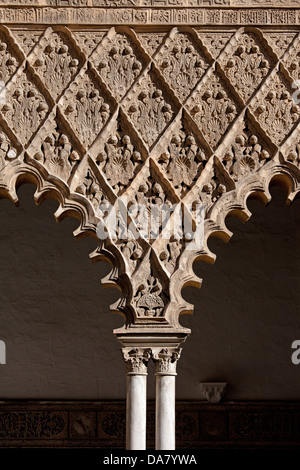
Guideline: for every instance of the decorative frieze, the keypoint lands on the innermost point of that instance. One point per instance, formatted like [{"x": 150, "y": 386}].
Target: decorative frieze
[
  {"x": 33, "y": 424},
  {"x": 187, "y": 4},
  {"x": 102, "y": 424},
  {"x": 139, "y": 16}
]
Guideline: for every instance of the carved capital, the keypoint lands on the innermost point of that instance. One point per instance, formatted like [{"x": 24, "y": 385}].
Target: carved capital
[
  {"x": 166, "y": 361},
  {"x": 136, "y": 360}
]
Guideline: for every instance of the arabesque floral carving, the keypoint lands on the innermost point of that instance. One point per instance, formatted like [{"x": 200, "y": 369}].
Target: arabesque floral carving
[{"x": 159, "y": 122}]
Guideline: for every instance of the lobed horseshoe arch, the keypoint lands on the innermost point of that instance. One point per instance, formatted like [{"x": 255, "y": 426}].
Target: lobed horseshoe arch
[
  {"x": 235, "y": 203},
  {"x": 202, "y": 112}
]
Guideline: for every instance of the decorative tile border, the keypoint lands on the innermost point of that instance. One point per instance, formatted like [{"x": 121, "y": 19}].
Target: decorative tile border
[{"x": 101, "y": 424}]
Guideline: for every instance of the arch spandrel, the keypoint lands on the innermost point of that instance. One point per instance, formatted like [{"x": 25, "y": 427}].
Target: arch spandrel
[{"x": 107, "y": 116}]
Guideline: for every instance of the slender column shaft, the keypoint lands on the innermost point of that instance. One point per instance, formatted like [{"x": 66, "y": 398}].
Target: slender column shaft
[
  {"x": 136, "y": 412},
  {"x": 165, "y": 412},
  {"x": 166, "y": 361},
  {"x": 136, "y": 404}
]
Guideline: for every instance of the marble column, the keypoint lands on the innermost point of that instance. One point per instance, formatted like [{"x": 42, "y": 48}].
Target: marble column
[
  {"x": 166, "y": 361},
  {"x": 136, "y": 360}
]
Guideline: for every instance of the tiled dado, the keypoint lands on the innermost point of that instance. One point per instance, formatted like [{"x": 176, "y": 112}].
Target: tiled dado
[{"x": 101, "y": 424}]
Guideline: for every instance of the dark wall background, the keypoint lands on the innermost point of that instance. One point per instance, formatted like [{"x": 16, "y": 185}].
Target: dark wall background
[{"x": 57, "y": 327}]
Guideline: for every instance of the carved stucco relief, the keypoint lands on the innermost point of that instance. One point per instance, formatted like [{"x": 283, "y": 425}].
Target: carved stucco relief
[{"x": 108, "y": 116}]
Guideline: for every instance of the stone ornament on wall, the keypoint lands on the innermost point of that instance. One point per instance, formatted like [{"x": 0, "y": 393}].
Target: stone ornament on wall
[
  {"x": 114, "y": 117},
  {"x": 213, "y": 391}
]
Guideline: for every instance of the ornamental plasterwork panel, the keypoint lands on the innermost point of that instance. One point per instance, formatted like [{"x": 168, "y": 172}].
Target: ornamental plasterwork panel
[{"x": 166, "y": 115}]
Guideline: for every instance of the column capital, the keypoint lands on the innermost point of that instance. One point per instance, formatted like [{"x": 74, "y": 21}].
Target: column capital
[
  {"x": 136, "y": 360},
  {"x": 166, "y": 360}
]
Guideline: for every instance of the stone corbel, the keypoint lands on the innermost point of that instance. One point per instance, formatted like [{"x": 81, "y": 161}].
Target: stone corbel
[{"x": 213, "y": 391}]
